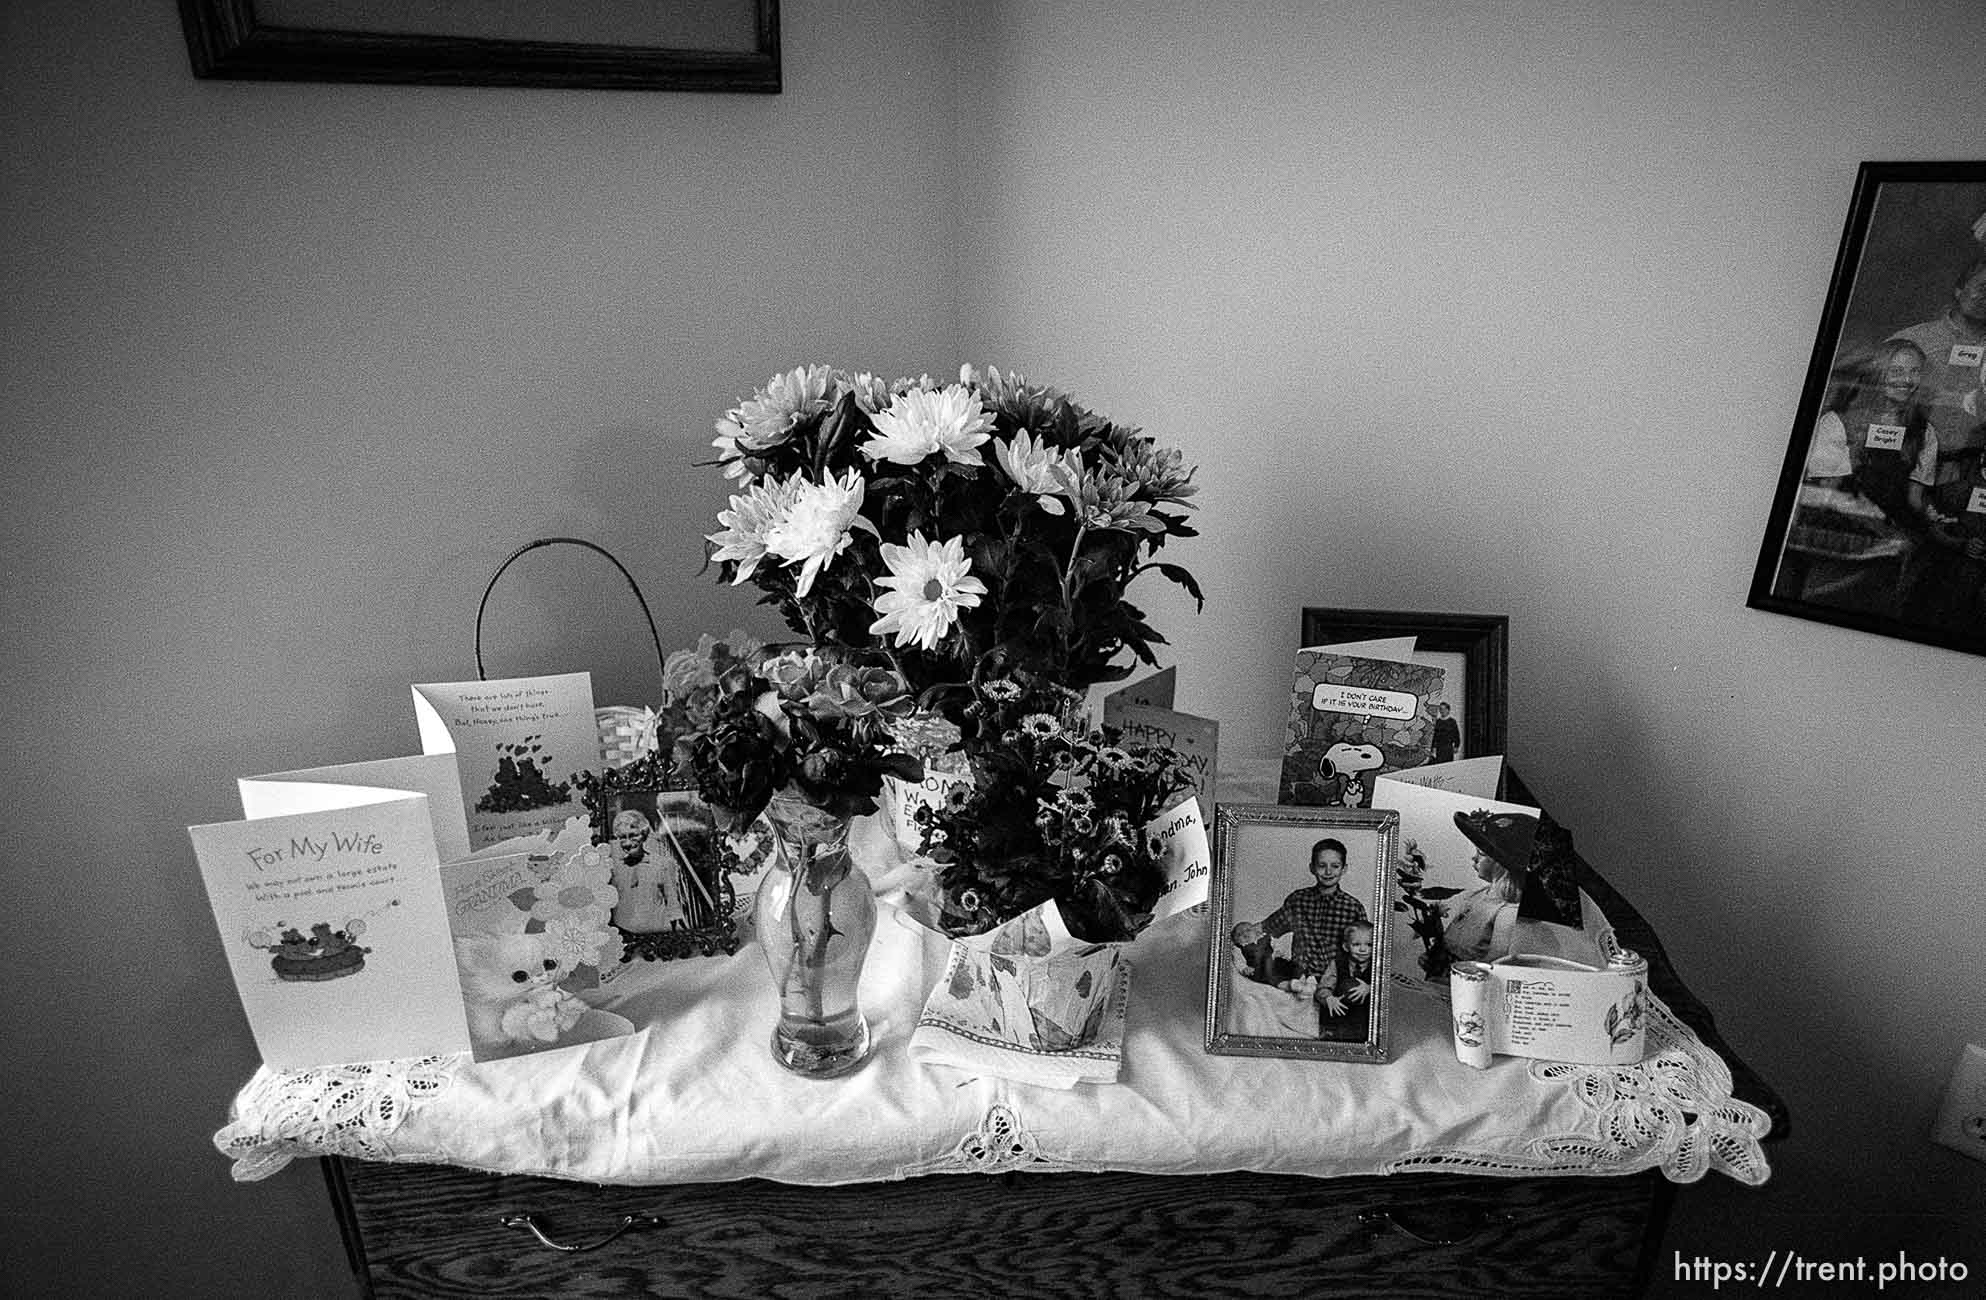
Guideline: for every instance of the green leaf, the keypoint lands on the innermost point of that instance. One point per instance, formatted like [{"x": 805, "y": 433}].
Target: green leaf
[{"x": 1179, "y": 575}]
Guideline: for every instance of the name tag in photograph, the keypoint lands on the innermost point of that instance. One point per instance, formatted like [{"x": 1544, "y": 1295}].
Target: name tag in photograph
[
  {"x": 1968, "y": 354},
  {"x": 1884, "y": 437}
]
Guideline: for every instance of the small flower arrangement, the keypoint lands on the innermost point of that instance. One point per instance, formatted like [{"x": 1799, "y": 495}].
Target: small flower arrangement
[
  {"x": 811, "y": 725},
  {"x": 1423, "y": 902},
  {"x": 1053, "y": 812},
  {"x": 985, "y": 521}
]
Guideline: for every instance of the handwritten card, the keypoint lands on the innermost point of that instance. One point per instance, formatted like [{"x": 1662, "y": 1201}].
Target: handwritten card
[
  {"x": 1182, "y": 832},
  {"x": 335, "y": 930},
  {"x": 1479, "y": 778},
  {"x": 517, "y": 742}
]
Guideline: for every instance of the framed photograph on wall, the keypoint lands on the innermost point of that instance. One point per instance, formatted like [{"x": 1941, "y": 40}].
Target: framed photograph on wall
[
  {"x": 1297, "y": 962},
  {"x": 717, "y": 45},
  {"x": 1879, "y": 522},
  {"x": 1472, "y": 650}
]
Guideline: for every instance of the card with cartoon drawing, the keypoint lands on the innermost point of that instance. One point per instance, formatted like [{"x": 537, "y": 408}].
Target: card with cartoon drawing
[
  {"x": 531, "y": 934},
  {"x": 518, "y": 742},
  {"x": 1351, "y": 719},
  {"x": 335, "y": 929}
]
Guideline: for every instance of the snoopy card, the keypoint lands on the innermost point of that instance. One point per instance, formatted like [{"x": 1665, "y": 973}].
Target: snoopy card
[
  {"x": 335, "y": 929},
  {"x": 518, "y": 742},
  {"x": 1352, "y": 719}
]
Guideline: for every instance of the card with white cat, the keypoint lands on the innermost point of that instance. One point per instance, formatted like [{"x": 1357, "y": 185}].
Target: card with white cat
[
  {"x": 531, "y": 936},
  {"x": 335, "y": 929}
]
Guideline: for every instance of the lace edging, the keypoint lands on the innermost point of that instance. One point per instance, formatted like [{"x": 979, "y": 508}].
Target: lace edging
[
  {"x": 1001, "y": 1144},
  {"x": 344, "y": 1110},
  {"x": 1673, "y": 1111}
]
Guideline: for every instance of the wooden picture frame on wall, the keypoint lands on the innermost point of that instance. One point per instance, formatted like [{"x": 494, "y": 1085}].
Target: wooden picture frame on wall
[
  {"x": 1879, "y": 522},
  {"x": 1478, "y": 645},
  {"x": 712, "y": 45}
]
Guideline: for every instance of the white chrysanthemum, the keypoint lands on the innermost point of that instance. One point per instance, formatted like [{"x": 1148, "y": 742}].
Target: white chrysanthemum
[
  {"x": 920, "y": 422},
  {"x": 872, "y": 392},
  {"x": 1038, "y": 468},
  {"x": 929, "y": 583},
  {"x": 750, "y": 521},
  {"x": 816, "y": 526},
  {"x": 770, "y": 415}
]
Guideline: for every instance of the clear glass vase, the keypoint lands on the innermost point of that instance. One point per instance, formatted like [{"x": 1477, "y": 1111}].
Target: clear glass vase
[{"x": 815, "y": 914}]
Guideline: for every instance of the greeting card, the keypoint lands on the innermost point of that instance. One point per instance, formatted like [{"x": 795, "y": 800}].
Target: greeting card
[
  {"x": 313, "y": 788},
  {"x": 1143, "y": 714},
  {"x": 517, "y": 742},
  {"x": 1351, "y": 720},
  {"x": 1460, "y": 875},
  {"x": 335, "y": 928},
  {"x": 1478, "y": 777},
  {"x": 531, "y": 934}
]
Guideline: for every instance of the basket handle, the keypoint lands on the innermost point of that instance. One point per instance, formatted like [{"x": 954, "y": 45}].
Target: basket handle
[{"x": 483, "y": 605}]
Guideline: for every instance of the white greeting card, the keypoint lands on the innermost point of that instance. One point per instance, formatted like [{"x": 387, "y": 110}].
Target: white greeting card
[
  {"x": 518, "y": 742},
  {"x": 434, "y": 775},
  {"x": 1182, "y": 833},
  {"x": 1478, "y": 778},
  {"x": 335, "y": 928},
  {"x": 1393, "y": 649},
  {"x": 1474, "y": 911},
  {"x": 531, "y": 934}
]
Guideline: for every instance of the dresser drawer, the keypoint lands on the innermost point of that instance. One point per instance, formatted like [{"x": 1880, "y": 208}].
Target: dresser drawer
[{"x": 425, "y": 1230}]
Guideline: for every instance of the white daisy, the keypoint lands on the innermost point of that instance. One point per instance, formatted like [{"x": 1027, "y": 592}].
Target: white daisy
[
  {"x": 929, "y": 583},
  {"x": 750, "y": 521},
  {"x": 920, "y": 422},
  {"x": 1038, "y": 468},
  {"x": 816, "y": 526}
]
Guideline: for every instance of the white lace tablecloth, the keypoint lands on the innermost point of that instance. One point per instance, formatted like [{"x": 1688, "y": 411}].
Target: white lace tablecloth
[{"x": 696, "y": 1096}]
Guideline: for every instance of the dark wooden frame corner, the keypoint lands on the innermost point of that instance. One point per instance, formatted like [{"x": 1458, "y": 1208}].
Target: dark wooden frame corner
[
  {"x": 1482, "y": 639},
  {"x": 227, "y": 41}
]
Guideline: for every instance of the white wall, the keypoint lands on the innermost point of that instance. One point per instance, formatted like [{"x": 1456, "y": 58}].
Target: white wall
[
  {"x": 287, "y": 370},
  {"x": 1499, "y": 308},
  {"x": 1506, "y": 308}
]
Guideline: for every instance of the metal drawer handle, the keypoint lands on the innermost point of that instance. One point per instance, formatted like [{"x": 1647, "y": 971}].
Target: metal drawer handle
[
  {"x": 627, "y": 1221},
  {"x": 1378, "y": 1219}
]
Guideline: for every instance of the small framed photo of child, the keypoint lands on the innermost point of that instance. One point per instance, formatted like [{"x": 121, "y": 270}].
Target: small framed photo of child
[{"x": 1298, "y": 944}]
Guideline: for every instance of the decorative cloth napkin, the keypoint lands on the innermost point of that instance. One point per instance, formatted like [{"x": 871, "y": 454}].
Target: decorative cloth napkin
[{"x": 1028, "y": 1002}]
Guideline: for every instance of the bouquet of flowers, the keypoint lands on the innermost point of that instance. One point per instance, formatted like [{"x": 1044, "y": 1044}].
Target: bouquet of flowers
[
  {"x": 1423, "y": 901},
  {"x": 694, "y": 681},
  {"x": 985, "y": 522},
  {"x": 808, "y": 725},
  {"x": 1052, "y": 813}
]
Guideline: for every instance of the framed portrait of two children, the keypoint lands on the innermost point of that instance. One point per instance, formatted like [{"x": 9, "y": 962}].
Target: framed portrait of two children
[{"x": 1300, "y": 916}]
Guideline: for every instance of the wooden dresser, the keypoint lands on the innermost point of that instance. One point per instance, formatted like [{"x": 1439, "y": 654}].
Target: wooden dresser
[{"x": 428, "y": 1230}]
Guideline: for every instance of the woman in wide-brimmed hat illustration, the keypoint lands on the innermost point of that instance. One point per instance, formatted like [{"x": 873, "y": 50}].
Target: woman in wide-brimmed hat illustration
[{"x": 1478, "y": 923}]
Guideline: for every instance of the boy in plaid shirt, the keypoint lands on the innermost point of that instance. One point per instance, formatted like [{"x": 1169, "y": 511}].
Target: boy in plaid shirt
[{"x": 1315, "y": 917}]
